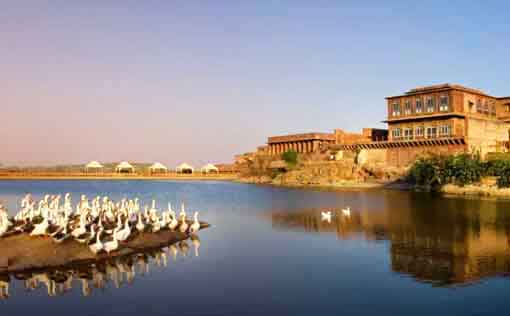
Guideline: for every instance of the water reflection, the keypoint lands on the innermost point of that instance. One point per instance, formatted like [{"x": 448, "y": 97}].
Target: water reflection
[
  {"x": 118, "y": 271},
  {"x": 439, "y": 241}
]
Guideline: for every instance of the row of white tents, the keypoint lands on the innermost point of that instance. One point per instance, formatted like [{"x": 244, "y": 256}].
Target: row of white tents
[{"x": 125, "y": 166}]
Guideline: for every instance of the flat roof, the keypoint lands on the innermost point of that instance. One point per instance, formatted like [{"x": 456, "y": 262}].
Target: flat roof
[
  {"x": 300, "y": 137},
  {"x": 440, "y": 87}
]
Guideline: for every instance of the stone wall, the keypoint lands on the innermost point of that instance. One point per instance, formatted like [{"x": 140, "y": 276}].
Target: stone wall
[
  {"x": 405, "y": 156},
  {"x": 374, "y": 156},
  {"x": 398, "y": 156},
  {"x": 483, "y": 134}
]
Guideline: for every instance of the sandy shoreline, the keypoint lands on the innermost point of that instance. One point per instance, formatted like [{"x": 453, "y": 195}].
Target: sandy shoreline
[{"x": 201, "y": 177}]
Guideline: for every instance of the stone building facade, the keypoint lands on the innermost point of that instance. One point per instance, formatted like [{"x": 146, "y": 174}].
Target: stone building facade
[
  {"x": 444, "y": 118},
  {"x": 301, "y": 143}
]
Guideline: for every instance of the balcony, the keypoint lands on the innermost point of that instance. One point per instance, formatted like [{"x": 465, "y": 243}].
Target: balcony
[
  {"x": 423, "y": 116},
  {"x": 400, "y": 143}
]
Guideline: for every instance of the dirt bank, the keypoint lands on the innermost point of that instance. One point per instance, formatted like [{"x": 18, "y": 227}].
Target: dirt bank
[{"x": 22, "y": 252}]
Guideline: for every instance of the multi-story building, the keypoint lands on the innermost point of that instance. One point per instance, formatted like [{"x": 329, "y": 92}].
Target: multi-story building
[
  {"x": 446, "y": 118},
  {"x": 450, "y": 112},
  {"x": 451, "y": 117}
]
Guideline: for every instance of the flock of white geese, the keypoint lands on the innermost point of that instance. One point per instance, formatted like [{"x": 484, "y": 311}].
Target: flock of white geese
[{"x": 100, "y": 223}]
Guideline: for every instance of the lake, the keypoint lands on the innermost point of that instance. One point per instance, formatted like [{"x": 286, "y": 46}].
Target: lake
[{"x": 269, "y": 252}]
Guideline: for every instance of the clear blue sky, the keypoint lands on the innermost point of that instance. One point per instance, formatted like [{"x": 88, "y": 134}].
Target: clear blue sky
[{"x": 200, "y": 81}]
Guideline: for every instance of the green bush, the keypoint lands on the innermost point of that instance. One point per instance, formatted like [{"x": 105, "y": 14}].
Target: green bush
[
  {"x": 290, "y": 157},
  {"x": 439, "y": 170},
  {"x": 426, "y": 171},
  {"x": 501, "y": 169}
]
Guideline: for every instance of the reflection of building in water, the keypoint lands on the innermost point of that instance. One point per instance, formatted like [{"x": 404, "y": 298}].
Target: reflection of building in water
[
  {"x": 118, "y": 271},
  {"x": 442, "y": 241}
]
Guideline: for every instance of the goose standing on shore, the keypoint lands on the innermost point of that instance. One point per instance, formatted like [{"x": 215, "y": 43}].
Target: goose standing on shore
[
  {"x": 98, "y": 246},
  {"x": 88, "y": 236},
  {"x": 183, "y": 212},
  {"x": 195, "y": 226},
  {"x": 140, "y": 226},
  {"x": 40, "y": 229},
  {"x": 124, "y": 233},
  {"x": 184, "y": 225},
  {"x": 111, "y": 245},
  {"x": 62, "y": 235}
]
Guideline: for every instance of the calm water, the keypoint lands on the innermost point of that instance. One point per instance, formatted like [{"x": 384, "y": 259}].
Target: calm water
[{"x": 268, "y": 252}]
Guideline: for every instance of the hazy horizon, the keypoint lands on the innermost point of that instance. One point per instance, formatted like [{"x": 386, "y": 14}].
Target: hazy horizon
[{"x": 200, "y": 82}]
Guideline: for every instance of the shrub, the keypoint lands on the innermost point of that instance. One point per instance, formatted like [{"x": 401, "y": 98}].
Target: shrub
[
  {"x": 464, "y": 169},
  {"x": 439, "y": 170},
  {"x": 290, "y": 157},
  {"x": 425, "y": 171}
]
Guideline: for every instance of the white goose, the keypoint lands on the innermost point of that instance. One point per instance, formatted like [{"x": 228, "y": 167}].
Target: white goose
[
  {"x": 346, "y": 211},
  {"x": 184, "y": 226},
  {"x": 156, "y": 225},
  {"x": 88, "y": 236},
  {"x": 140, "y": 226},
  {"x": 195, "y": 226},
  {"x": 63, "y": 235},
  {"x": 326, "y": 216},
  {"x": 98, "y": 246},
  {"x": 183, "y": 212},
  {"x": 124, "y": 233},
  {"x": 40, "y": 229},
  {"x": 111, "y": 245},
  {"x": 173, "y": 221},
  {"x": 81, "y": 229}
]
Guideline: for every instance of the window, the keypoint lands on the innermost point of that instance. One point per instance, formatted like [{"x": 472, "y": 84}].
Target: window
[
  {"x": 431, "y": 132},
  {"x": 443, "y": 105},
  {"x": 479, "y": 106},
  {"x": 507, "y": 107},
  {"x": 408, "y": 133},
  {"x": 419, "y": 106},
  {"x": 445, "y": 130},
  {"x": 486, "y": 107},
  {"x": 407, "y": 107},
  {"x": 396, "y": 133},
  {"x": 419, "y": 131},
  {"x": 431, "y": 104},
  {"x": 493, "y": 109},
  {"x": 396, "y": 109}
]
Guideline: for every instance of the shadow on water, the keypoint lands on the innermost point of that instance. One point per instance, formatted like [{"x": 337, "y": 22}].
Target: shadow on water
[
  {"x": 442, "y": 241},
  {"x": 118, "y": 271}
]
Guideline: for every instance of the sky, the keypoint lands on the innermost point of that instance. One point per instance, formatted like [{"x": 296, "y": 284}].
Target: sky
[{"x": 201, "y": 81}]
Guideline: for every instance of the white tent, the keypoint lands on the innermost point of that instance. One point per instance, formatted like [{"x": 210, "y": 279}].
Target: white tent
[
  {"x": 124, "y": 166},
  {"x": 184, "y": 168},
  {"x": 93, "y": 165},
  {"x": 157, "y": 166},
  {"x": 209, "y": 168}
]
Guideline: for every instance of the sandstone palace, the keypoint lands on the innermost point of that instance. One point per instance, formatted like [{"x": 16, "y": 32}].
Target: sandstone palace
[{"x": 446, "y": 118}]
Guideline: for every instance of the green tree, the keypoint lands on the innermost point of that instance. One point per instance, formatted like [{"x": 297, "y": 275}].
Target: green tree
[{"x": 290, "y": 157}]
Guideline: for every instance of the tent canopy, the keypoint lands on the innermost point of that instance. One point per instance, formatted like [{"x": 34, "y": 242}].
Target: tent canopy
[
  {"x": 123, "y": 166},
  {"x": 93, "y": 165},
  {"x": 210, "y": 168},
  {"x": 158, "y": 166},
  {"x": 183, "y": 167}
]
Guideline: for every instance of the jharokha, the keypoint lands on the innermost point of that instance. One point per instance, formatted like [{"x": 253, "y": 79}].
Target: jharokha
[{"x": 445, "y": 118}]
